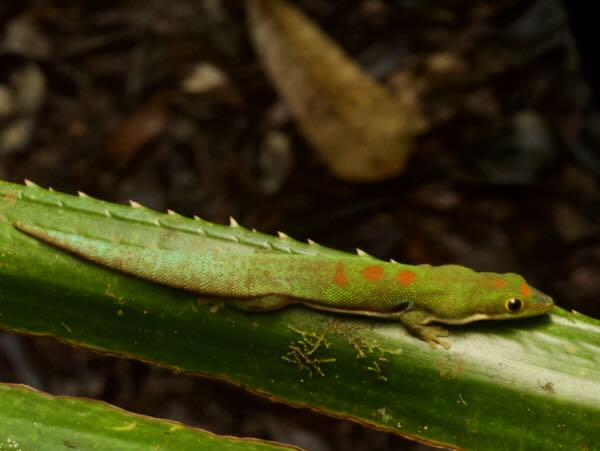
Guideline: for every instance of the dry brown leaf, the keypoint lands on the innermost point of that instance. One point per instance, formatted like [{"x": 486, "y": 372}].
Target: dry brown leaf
[
  {"x": 360, "y": 130},
  {"x": 134, "y": 132}
]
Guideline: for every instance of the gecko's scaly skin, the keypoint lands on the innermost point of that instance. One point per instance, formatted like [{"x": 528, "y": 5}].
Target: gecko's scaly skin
[{"x": 261, "y": 273}]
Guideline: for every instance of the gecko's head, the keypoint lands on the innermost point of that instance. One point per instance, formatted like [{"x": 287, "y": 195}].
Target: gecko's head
[
  {"x": 461, "y": 295},
  {"x": 508, "y": 296}
]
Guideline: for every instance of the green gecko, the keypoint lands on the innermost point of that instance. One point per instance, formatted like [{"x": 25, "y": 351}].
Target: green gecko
[{"x": 257, "y": 272}]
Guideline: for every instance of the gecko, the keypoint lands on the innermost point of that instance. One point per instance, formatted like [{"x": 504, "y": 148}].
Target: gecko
[{"x": 256, "y": 272}]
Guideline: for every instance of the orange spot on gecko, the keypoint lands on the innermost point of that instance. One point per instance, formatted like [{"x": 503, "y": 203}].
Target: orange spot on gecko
[
  {"x": 406, "y": 278},
  {"x": 500, "y": 282},
  {"x": 372, "y": 273},
  {"x": 525, "y": 290},
  {"x": 340, "y": 278}
]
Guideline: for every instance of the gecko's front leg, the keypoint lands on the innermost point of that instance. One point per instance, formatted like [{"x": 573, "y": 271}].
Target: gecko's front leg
[{"x": 414, "y": 322}]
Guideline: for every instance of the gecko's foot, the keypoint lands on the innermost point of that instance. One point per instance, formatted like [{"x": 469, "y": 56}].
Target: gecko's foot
[
  {"x": 215, "y": 305},
  {"x": 432, "y": 334},
  {"x": 414, "y": 322},
  {"x": 216, "y": 308}
]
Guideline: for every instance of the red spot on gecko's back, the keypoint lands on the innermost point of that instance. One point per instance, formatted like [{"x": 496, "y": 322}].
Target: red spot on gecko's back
[
  {"x": 500, "y": 282},
  {"x": 525, "y": 290},
  {"x": 406, "y": 278},
  {"x": 340, "y": 278},
  {"x": 372, "y": 273}
]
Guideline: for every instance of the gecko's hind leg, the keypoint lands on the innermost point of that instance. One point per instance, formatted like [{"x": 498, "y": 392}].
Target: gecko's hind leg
[{"x": 266, "y": 303}]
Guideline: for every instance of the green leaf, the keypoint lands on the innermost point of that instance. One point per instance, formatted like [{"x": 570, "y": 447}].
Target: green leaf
[
  {"x": 527, "y": 384},
  {"x": 33, "y": 420}
]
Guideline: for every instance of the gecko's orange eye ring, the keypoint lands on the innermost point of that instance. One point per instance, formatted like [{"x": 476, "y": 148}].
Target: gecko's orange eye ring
[{"x": 514, "y": 305}]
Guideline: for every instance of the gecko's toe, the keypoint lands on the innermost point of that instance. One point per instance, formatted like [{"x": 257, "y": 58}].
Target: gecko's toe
[
  {"x": 433, "y": 342},
  {"x": 433, "y": 334}
]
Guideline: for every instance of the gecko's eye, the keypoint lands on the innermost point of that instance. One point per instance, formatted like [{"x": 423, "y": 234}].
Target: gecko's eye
[{"x": 514, "y": 305}]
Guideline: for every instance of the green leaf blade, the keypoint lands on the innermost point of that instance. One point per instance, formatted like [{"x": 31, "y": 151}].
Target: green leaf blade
[
  {"x": 33, "y": 420},
  {"x": 528, "y": 384}
]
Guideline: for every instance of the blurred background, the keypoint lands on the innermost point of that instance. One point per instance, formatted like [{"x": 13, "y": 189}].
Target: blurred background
[{"x": 168, "y": 104}]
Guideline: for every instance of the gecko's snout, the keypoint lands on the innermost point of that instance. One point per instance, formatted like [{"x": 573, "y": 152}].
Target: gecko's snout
[{"x": 540, "y": 302}]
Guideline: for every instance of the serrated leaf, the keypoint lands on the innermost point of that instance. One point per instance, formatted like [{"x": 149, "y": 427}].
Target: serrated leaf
[
  {"x": 520, "y": 385},
  {"x": 32, "y": 420}
]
